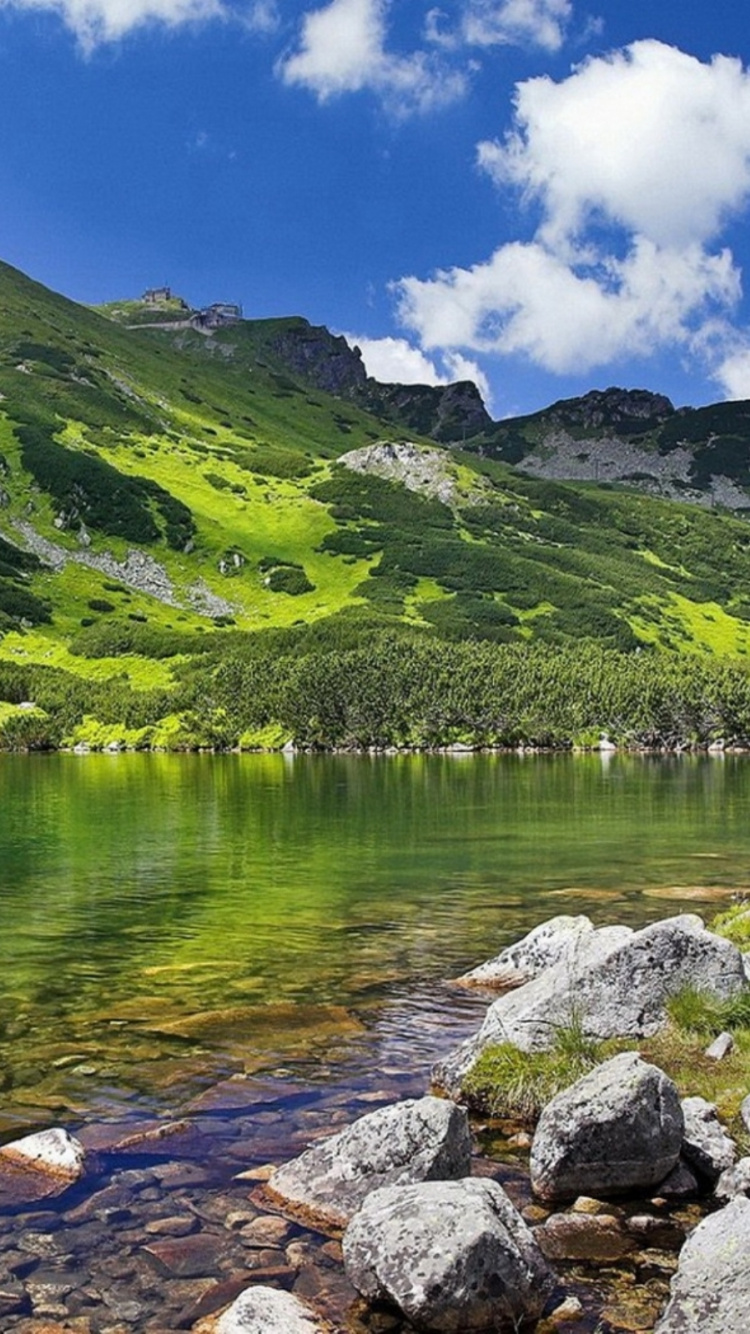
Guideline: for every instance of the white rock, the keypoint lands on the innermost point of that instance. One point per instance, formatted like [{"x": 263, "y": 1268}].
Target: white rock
[
  {"x": 720, "y": 1047},
  {"x": 426, "y": 1139},
  {"x": 54, "y": 1151},
  {"x": 710, "y": 1293},
  {"x": 706, "y": 1145},
  {"x": 529, "y": 957},
  {"x": 734, "y": 1181},
  {"x": 262, "y": 1310},
  {"x": 452, "y": 1256}
]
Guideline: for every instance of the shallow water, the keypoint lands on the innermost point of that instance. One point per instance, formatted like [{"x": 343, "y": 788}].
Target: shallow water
[{"x": 171, "y": 921}]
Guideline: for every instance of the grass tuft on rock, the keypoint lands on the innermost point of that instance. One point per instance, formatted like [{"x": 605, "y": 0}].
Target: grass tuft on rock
[{"x": 507, "y": 1082}]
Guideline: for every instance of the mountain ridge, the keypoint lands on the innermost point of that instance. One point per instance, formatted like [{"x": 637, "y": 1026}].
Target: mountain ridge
[{"x": 171, "y": 498}]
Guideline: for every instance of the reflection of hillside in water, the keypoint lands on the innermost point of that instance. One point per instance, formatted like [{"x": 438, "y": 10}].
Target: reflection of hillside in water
[{"x": 168, "y": 920}]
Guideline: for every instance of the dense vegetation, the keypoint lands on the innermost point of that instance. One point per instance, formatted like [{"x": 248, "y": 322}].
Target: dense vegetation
[
  {"x": 393, "y": 690},
  {"x": 185, "y": 562}
]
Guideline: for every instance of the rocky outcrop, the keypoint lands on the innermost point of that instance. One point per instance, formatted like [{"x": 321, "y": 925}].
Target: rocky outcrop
[
  {"x": 706, "y": 1145},
  {"x": 612, "y": 407},
  {"x": 710, "y": 1293},
  {"x": 614, "y": 983},
  {"x": 449, "y": 413},
  {"x": 546, "y": 945},
  {"x": 320, "y": 357},
  {"x": 418, "y": 1140},
  {"x": 617, "y": 1129},
  {"x": 428, "y": 472},
  {"x": 452, "y": 1256},
  {"x": 261, "y": 1310}
]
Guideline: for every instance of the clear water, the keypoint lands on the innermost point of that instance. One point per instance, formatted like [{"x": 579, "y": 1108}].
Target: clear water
[
  {"x": 165, "y": 920},
  {"x": 169, "y": 921}
]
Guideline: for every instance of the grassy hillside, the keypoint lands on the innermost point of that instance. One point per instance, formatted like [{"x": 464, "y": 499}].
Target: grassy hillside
[{"x": 169, "y": 496}]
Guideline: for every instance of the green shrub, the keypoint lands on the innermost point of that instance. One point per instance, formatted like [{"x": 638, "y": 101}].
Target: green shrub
[{"x": 289, "y": 579}]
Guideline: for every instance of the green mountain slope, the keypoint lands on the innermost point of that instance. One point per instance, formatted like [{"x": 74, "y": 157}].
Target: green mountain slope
[{"x": 172, "y": 493}]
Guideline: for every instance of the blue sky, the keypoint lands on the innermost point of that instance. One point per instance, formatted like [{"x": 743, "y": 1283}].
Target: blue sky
[{"x": 542, "y": 195}]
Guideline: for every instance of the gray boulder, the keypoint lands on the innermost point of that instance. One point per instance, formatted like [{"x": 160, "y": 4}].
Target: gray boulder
[
  {"x": 710, "y": 1293},
  {"x": 527, "y": 958},
  {"x": 418, "y": 1140},
  {"x": 680, "y": 1184},
  {"x": 453, "y": 1257},
  {"x": 734, "y": 1181},
  {"x": 262, "y": 1310},
  {"x": 706, "y": 1145},
  {"x": 613, "y": 983},
  {"x": 617, "y": 1129},
  {"x": 745, "y": 1112}
]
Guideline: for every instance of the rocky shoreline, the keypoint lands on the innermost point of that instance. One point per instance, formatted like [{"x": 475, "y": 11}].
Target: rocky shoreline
[{"x": 411, "y": 1217}]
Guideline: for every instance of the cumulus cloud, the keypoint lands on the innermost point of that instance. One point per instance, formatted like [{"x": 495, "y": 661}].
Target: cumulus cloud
[
  {"x": 97, "y": 21},
  {"x": 649, "y": 138},
  {"x": 397, "y": 361},
  {"x": 733, "y": 372},
  {"x": 635, "y": 163},
  {"x": 516, "y": 22},
  {"x": 343, "y": 50}
]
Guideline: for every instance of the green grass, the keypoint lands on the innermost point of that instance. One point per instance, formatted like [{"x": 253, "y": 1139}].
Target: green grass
[
  {"x": 734, "y": 924},
  {"x": 192, "y": 448},
  {"x": 509, "y": 1083}
]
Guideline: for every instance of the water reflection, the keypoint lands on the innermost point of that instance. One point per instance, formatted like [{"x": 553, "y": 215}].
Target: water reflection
[{"x": 140, "y": 893}]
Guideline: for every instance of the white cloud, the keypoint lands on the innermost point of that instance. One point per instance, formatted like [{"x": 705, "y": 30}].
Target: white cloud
[
  {"x": 461, "y": 368},
  {"x": 636, "y": 162},
  {"x": 649, "y": 138},
  {"x": 98, "y": 21},
  {"x": 342, "y": 50},
  {"x": 516, "y": 22},
  {"x": 733, "y": 373},
  {"x": 262, "y": 17},
  {"x": 397, "y": 361}
]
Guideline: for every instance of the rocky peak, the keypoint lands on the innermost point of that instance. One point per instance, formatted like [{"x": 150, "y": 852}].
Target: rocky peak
[
  {"x": 448, "y": 413},
  {"x": 323, "y": 359},
  {"x": 612, "y": 408}
]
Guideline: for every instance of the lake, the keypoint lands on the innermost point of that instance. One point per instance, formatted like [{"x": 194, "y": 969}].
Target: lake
[{"x": 169, "y": 922}]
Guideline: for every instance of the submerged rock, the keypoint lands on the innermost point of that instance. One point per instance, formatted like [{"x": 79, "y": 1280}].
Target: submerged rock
[
  {"x": 527, "y": 958},
  {"x": 617, "y": 1129},
  {"x": 261, "y": 1310},
  {"x": 583, "y": 1237},
  {"x": 710, "y": 1293},
  {"x": 453, "y": 1257},
  {"x": 615, "y": 983},
  {"x": 418, "y": 1140}
]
